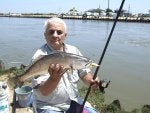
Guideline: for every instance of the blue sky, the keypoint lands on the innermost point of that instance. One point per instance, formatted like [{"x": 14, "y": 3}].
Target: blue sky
[{"x": 58, "y": 6}]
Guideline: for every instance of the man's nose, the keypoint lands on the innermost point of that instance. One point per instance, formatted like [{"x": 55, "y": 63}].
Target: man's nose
[{"x": 55, "y": 34}]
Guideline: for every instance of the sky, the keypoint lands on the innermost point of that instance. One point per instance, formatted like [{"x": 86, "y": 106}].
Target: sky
[{"x": 59, "y": 6}]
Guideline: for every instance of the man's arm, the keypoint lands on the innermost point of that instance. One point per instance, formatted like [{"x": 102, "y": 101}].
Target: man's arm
[
  {"x": 47, "y": 87},
  {"x": 88, "y": 79}
]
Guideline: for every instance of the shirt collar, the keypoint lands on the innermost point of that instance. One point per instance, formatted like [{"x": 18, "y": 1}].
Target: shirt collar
[{"x": 51, "y": 48}]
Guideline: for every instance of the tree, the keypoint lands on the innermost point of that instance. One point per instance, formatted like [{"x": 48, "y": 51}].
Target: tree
[
  {"x": 121, "y": 13},
  {"x": 108, "y": 12},
  {"x": 73, "y": 11},
  {"x": 98, "y": 10}
]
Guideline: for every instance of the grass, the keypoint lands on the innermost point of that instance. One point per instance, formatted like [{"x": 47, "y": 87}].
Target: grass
[
  {"x": 13, "y": 70},
  {"x": 95, "y": 98}
]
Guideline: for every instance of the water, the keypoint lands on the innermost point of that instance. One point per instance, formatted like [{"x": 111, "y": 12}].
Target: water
[{"x": 126, "y": 62}]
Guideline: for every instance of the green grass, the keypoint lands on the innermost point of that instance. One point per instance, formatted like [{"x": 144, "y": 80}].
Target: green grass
[
  {"x": 13, "y": 70},
  {"x": 95, "y": 98}
]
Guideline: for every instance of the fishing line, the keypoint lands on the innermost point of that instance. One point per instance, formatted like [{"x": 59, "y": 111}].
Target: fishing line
[{"x": 102, "y": 56}]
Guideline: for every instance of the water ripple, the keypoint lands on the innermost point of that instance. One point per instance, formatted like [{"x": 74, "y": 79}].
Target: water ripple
[{"x": 140, "y": 42}]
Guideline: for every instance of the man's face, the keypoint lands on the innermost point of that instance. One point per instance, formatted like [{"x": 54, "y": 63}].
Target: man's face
[{"x": 55, "y": 35}]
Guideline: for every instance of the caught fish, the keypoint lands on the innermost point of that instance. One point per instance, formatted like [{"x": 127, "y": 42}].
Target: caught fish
[{"x": 68, "y": 60}]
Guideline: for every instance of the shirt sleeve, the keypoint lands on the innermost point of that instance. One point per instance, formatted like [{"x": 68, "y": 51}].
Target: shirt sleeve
[
  {"x": 82, "y": 72},
  {"x": 37, "y": 54},
  {"x": 39, "y": 80}
]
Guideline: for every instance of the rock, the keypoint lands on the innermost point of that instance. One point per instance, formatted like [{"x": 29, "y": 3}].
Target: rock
[
  {"x": 114, "y": 107},
  {"x": 22, "y": 66},
  {"x": 135, "y": 111},
  {"x": 2, "y": 66},
  {"x": 147, "y": 106},
  {"x": 117, "y": 104},
  {"x": 146, "y": 109}
]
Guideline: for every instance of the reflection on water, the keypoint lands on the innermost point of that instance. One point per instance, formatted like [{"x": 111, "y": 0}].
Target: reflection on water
[
  {"x": 140, "y": 42},
  {"x": 126, "y": 62}
]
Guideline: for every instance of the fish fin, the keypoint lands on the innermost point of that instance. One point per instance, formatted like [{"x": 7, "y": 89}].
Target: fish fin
[
  {"x": 17, "y": 81},
  {"x": 35, "y": 60},
  {"x": 66, "y": 69},
  {"x": 71, "y": 69}
]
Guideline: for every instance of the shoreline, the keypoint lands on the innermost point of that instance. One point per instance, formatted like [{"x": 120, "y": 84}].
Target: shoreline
[
  {"x": 102, "y": 18},
  {"x": 96, "y": 98},
  {"x": 121, "y": 61}
]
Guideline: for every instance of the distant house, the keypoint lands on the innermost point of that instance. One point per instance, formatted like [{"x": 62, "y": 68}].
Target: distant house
[
  {"x": 14, "y": 14},
  {"x": 1, "y": 14}
]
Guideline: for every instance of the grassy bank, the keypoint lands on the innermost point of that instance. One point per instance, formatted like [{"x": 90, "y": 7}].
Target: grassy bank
[{"x": 96, "y": 98}]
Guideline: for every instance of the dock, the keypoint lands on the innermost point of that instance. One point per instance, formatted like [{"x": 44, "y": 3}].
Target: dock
[{"x": 82, "y": 17}]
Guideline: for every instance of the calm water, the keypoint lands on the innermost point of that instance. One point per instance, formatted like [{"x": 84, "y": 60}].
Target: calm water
[{"x": 126, "y": 62}]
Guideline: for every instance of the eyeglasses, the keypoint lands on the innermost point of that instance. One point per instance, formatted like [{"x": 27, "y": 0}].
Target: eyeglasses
[{"x": 59, "y": 32}]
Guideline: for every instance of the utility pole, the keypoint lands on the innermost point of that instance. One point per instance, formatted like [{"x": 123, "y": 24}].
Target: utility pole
[
  {"x": 108, "y": 4},
  {"x": 129, "y": 10},
  {"x": 99, "y": 11},
  {"x": 108, "y": 8}
]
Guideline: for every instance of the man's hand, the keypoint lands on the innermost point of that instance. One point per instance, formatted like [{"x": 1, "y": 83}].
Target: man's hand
[
  {"x": 95, "y": 84},
  {"x": 55, "y": 71}
]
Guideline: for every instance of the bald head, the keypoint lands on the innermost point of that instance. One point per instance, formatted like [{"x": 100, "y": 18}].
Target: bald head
[{"x": 55, "y": 19}]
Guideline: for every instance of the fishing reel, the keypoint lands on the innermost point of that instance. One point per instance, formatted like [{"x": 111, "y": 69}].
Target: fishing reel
[{"x": 103, "y": 84}]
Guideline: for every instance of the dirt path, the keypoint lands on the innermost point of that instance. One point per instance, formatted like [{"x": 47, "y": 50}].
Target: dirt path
[{"x": 10, "y": 87}]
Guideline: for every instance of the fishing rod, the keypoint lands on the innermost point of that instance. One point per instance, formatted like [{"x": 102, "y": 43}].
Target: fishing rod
[
  {"x": 14, "y": 102},
  {"x": 103, "y": 53}
]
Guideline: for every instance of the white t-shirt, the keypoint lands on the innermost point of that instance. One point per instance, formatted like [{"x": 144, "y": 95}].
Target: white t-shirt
[{"x": 66, "y": 90}]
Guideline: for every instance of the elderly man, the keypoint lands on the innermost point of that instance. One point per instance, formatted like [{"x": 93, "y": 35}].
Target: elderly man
[{"x": 53, "y": 92}]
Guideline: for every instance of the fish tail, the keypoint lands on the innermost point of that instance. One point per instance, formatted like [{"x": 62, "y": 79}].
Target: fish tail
[
  {"x": 18, "y": 81},
  {"x": 92, "y": 65}
]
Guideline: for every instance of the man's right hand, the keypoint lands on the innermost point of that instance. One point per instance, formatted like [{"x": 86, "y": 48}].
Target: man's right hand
[{"x": 55, "y": 71}]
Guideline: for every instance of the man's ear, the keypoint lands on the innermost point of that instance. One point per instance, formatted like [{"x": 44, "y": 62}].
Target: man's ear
[
  {"x": 45, "y": 34},
  {"x": 65, "y": 34}
]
